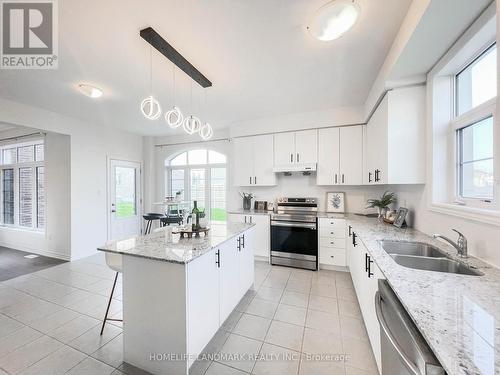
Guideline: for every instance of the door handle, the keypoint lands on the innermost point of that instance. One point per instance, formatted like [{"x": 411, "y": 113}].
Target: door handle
[
  {"x": 242, "y": 241},
  {"x": 366, "y": 262},
  {"x": 218, "y": 258},
  {"x": 238, "y": 246},
  {"x": 370, "y": 261},
  {"x": 298, "y": 157},
  {"x": 342, "y": 178},
  {"x": 335, "y": 177},
  {"x": 291, "y": 158},
  {"x": 369, "y": 176},
  {"x": 350, "y": 231},
  {"x": 255, "y": 180},
  {"x": 354, "y": 239}
]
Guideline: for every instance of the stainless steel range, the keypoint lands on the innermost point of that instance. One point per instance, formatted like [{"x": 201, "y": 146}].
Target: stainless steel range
[{"x": 294, "y": 233}]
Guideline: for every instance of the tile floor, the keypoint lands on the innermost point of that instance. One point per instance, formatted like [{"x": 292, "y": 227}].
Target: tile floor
[
  {"x": 13, "y": 263},
  {"x": 50, "y": 322}
]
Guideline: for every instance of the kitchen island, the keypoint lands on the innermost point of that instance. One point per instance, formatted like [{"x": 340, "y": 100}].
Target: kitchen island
[{"x": 177, "y": 292}]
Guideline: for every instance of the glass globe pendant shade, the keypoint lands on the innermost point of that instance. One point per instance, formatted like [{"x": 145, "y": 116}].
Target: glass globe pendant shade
[
  {"x": 150, "y": 108},
  {"x": 206, "y": 132},
  {"x": 174, "y": 117},
  {"x": 191, "y": 124}
]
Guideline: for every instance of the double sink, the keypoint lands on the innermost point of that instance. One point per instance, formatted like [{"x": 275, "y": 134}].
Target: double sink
[{"x": 423, "y": 256}]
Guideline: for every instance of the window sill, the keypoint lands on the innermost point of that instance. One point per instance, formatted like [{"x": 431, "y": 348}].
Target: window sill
[
  {"x": 480, "y": 215},
  {"x": 20, "y": 229}
]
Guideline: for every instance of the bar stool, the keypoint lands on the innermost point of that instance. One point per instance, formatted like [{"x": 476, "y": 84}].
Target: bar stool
[
  {"x": 114, "y": 261},
  {"x": 150, "y": 217}
]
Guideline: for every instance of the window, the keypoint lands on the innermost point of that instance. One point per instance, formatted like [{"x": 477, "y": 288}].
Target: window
[
  {"x": 476, "y": 160},
  {"x": 474, "y": 125},
  {"x": 199, "y": 175},
  {"x": 23, "y": 185},
  {"x": 477, "y": 83}
]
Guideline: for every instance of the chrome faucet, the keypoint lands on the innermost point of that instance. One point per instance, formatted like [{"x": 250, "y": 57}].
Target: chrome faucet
[{"x": 460, "y": 245}]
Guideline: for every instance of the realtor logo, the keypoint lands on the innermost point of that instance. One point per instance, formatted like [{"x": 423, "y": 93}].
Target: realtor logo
[{"x": 29, "y": 34}]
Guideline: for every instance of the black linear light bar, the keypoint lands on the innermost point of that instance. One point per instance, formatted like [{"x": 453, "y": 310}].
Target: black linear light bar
[{"x": 155, "y": 39}]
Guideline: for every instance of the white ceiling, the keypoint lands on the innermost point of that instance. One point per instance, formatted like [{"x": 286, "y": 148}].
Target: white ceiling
[{"x": 257, "y": 54}]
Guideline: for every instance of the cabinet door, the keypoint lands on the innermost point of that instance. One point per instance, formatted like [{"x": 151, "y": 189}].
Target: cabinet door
[
  {"x": 246, "y": 256},
  {"x": 306, "y": 146},
  {"x": 243, "y": 170},
  {"x": 229, "y": 278},
  {"x": 284, "y": 148},
  {"x": 368, "y": 310},
  {"x": 202, "y": 301},
  {"x": 351, "y": 155},
  {"x": 328, "y": 156},
  {"x": 262, "y": 237},
  {"x": 376, "y": 155},
  {"x": 263, "y": 154}
]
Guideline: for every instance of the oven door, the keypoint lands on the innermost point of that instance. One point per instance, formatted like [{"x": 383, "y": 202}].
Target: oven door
[{"x": 294, "y": 240}]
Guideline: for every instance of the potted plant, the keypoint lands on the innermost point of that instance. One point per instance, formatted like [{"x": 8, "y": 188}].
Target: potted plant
[
  {"x": 383, "y": 203},
  {"x": 247, "y": 200}
]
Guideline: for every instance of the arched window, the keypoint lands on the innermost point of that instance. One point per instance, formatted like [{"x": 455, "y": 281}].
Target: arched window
[{"x": 199, "y": 175}]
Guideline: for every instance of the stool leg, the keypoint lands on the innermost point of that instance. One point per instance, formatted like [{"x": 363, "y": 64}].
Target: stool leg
[{"x": 109, "y": 304}]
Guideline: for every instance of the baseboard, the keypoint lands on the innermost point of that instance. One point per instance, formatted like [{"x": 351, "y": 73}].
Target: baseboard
[
  {"x": 261, "y": 258},
  {"x": 27, "y": 249},
  {"x": 333, "y": 268}
]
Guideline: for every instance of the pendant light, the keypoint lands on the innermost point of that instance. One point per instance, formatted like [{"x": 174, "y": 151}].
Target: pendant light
[
  {"x": 150, "y": 107},
  {"x": 206, "y": 131},
  {"x": 191, "y": 124},
  {"x": 174, "y": 117}
]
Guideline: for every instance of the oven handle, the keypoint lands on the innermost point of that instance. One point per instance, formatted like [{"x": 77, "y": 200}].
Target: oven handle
[{"x": 295, "y": 225}]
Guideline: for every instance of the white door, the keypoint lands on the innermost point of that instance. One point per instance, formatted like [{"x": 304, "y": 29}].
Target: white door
[
  {"x": 351, "y": 155},
  {"x": 261, "y": 243},
  {"x": 284, "y": 148},
  {"x": 124, "y": 199},
  {"x": 306, "y": 146},
  {"x": 243, "y": 162},
  {"x": 328, "y": 157},
  {"x": 263, "y": 154}
]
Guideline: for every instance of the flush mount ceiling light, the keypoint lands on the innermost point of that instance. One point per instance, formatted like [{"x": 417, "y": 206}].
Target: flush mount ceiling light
[
  {"x": 90, "y": 91},
  {"x": 333, "y": 19}
]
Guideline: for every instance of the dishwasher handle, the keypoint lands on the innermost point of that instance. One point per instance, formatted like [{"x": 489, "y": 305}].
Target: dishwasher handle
[{"x": 383, "y": 324}]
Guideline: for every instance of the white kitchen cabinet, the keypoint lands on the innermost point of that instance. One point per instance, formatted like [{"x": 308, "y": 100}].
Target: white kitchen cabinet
[
  {"x": 296, "y": 147},
  {"x": 262, "y": 232},
  {"x": 253, "y": 161},
  {"x": 332, "y": 242},
  {"x": 246, "y": 259},
  {"x": 340, "y": 156},
  {"x": 229, "y": 284},
  {"x": 395, "y": 139},
  {"x": 365, "y": 275}
]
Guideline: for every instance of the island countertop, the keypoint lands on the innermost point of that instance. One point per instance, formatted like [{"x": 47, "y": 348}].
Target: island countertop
[{"x": 164, "y": 246}]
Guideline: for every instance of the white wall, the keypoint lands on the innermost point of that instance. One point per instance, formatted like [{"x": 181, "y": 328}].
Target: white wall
[{"x": 91, "y": 146}]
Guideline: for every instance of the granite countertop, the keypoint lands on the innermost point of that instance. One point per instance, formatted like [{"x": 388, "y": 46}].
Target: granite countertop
[
  {"x": 458, "y": 315},
  {"x": 241, "y": 211},
  {"x": 164, "y": 246}
]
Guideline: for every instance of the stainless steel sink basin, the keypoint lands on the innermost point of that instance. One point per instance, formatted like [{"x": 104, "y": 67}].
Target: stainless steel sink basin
[
  {"x": 411, "y": 248},
  {"x": 435, "y": 264},
  {"x": 422, "y": 256}
]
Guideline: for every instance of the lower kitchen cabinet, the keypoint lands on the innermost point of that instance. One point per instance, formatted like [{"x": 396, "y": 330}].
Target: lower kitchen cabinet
[
  {"x": 262, "y": 229},
  {"x": 332, "y": 242},
  {"x": 365, "y": 275}
]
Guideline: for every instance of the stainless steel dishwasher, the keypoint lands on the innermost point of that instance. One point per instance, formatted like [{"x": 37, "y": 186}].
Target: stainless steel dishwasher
[{"x": 404, "y": 350}]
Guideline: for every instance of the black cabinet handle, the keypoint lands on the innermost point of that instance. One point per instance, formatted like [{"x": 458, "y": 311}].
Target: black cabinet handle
[
  {"x": 298, "y": 157},
  {"x": 350, "y": 231},
  {"x": 377, "y": 178},
  {"x": 239, "y": 243},
  {"x": 291, "y": 158},
  {"x": 369, "y": 176},
  {"x": 255, "y": 180},
  {"x": 250, "y": 180},
  {"x": 354, "y": 239},
  {"x": 366, "y": 262},
  {"x": 342, "y": 178},
  {"x": 218, "y": 259},
  {"x": 335, "y": 177},
  {"x": 370, "y": 261},
  {"x": 243, "y": 241}
]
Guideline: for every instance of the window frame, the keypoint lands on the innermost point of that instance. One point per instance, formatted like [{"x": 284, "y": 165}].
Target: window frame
[
  {"x": 33, "y": 165},
  {"x": 187, "y": 177}
]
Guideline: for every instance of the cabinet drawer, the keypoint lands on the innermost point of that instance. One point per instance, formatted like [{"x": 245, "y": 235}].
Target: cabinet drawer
[
  {"x": 332, "y": 223},
  {"x": 332, "y": 256},
  {"x": 332, "y": 232},
  {"x": 338, "y": 243}
]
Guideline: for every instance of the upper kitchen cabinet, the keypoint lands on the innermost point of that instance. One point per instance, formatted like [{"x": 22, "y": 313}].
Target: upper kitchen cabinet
[
  {"x": 253, "y": 161},
  {"x": 340, "y": 156},
  {"x": 395, "y": 139},
  {"x": 296, "y": 147}
]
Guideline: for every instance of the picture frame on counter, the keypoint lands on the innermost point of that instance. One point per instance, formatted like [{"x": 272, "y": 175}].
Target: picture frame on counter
[
  {"x": 400, "y": 220},
  {"x": 335, "y": 202}
]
